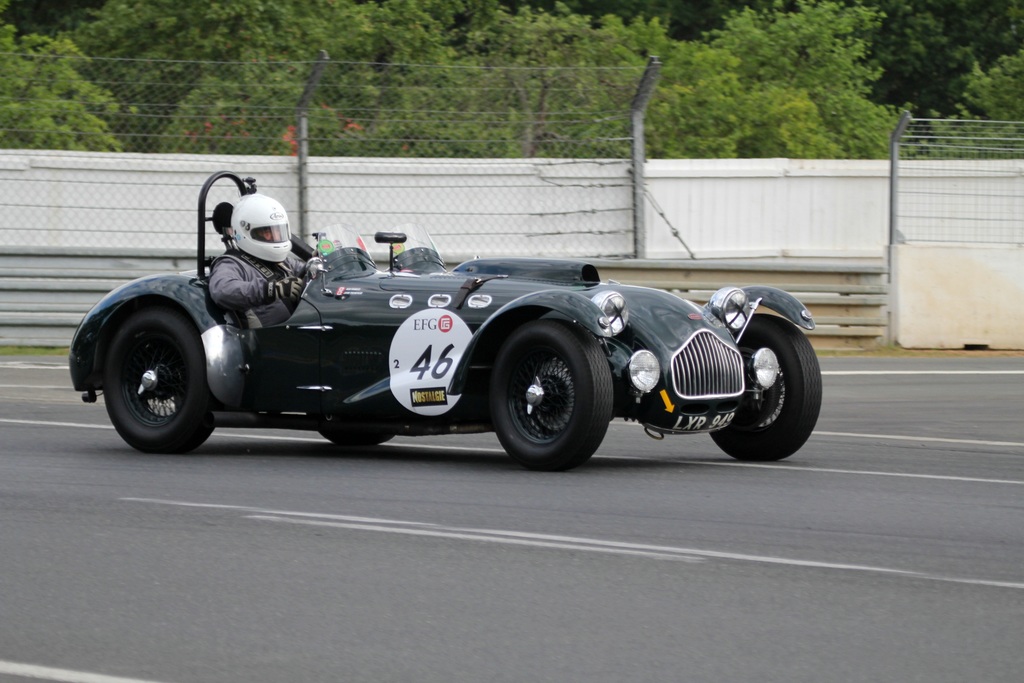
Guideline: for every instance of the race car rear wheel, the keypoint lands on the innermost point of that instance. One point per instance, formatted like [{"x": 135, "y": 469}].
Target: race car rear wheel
[
  {"x": 781, "y": 422},
  {"x": 154, "y": 383},
  {"x": 550, "y": 395}
]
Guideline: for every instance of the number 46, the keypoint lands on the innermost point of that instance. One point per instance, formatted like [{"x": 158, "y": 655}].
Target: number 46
[{"x": 441, "y": 368}]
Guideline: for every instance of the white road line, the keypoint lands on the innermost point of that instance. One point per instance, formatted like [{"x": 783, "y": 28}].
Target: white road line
[
  {"x": 30, "y": 386},
  {"x": 76, "y": 425},
  {"x": 33, "y": 365},
  {"x": 775, "y": 466},
  {"x": 48, "y": 673},
  {"x": 44, "y": 365},
  {"x": 430, "y": 529},
  {"x": 472, "y": 449},
  {"x": 922, "y": 372},
  {"x": 560, "y": 542},
  {"x": 869, "y": 473},
  {"x": 931, "y": 439},
  {"x": 892, "y": 437},
  {"x": 312, "y": 439},
  {"x": 668, "y": 554},
  {"x": 26, "y": 366}
]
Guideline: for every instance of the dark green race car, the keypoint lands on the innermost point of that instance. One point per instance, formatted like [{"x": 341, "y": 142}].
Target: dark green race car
[{"x": 539, "y": 351}]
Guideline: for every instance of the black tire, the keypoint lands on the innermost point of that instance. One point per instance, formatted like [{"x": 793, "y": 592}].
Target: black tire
[
  {"x": 340, "y": 437},
  {"x": 570, "y": 422},
  {"x": 782, "y": 421},
  {"x": 173, "y": 416}
]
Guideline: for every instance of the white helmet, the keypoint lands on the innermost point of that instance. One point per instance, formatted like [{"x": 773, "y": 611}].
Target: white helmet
[{"x": 260, "y": 227}]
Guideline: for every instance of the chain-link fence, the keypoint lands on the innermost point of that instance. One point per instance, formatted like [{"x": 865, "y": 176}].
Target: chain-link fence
[
  {"x": 957, "y": 181},
  {"x": 489, "y": 159}
]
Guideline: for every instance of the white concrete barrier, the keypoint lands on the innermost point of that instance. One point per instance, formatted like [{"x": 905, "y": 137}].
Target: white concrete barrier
[
  {"x": 728, "y": 208},
  {"x": 949, "y": 296}
]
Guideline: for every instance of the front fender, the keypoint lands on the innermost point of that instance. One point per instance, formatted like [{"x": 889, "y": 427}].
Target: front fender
[
  {"x": 573, "y": 305},
  {"x": 783, "y": 303},
  {"x": 88, "y": 346}
]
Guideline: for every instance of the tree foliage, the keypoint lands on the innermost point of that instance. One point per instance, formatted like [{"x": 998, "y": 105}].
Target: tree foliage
[
  {"x": 44, "y": 102},
  {"x": 46, "y": 17},
  {"x": 999, "y": 92},
  {"x": 807, "y": 81},
  {"x": 795, "y": 78},
  {"x": 928, "y": 49}
]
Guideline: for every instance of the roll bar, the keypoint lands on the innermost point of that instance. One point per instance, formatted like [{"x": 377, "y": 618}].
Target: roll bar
[{"x": 245, "y": 186}]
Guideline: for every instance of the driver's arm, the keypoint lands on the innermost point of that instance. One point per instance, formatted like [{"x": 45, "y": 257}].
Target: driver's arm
[
  {"x": 296, "y": 265},
  {"x": 235, "y": 287}
]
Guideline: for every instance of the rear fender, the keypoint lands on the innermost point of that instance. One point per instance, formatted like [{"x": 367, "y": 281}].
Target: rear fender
[
  {"x": 783, "y": 303},
  {"x": 89, "y": 344},
  {"x": 571, "y": 305}
]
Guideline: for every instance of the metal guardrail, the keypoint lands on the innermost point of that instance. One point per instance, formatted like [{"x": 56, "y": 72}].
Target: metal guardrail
[{"x": 44, "y": 296}]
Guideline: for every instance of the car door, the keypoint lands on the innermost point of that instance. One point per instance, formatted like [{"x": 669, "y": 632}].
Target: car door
[
  {"x": 283, "y": 364},
  {"x": 391, "y": 347}
]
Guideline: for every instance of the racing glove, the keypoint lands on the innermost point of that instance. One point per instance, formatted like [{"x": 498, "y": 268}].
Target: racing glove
[{"x": 287, "y": 289}]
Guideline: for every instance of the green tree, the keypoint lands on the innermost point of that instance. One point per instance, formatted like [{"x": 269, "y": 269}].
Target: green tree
[
  {"x": 807, "y": 81},
  {"x": 695, "y": 110},
  {"x": 46, "y": 17},
  {"x": 769, "y": 83},
  {"x": 208, "y": 104},
  {"x": 777, "y": 79},
  {"x": 44, "y": 102},
  {"x": 928, "y": 49},
  {"x": 195, "y": 105},
  {"x": 545, "y": 96},
  {"x": 683, "y": 20},
  {"x": 999, "y": 92},
  {"x": 286, "y": 30}
]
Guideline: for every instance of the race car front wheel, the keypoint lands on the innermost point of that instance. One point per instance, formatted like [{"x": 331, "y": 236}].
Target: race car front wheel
[
  {"x": 154, "y": 383},
  {"x": 550, "y": 395},
  {"x": 780, "y": 422}
]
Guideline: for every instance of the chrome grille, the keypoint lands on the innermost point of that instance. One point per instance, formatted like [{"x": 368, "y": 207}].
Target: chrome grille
[{"x": 707, "y": 367}]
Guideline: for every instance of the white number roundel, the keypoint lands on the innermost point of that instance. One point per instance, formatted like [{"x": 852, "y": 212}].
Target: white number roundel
[{"x": 424, "y": 353}]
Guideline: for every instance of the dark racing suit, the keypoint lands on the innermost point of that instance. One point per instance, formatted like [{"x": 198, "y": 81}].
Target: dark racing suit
[{"x": 242, "y": 283}]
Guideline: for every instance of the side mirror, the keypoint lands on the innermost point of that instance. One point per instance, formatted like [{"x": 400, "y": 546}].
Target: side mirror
[{"x": 390, "y": 239}]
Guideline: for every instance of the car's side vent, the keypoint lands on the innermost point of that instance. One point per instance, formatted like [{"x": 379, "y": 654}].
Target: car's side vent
[{"x": 707, "y": 367}]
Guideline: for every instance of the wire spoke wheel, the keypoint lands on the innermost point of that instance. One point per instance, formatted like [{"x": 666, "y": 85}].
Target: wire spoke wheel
[
  {"x": 155, "y": 383},
  {"x": 551, "y": 395},
  {"x": 763, "y": 414},
  {"x": 157, "y": 355},
  {"x": 550, "y": 418},
  {"x": 780, "y": 422}
]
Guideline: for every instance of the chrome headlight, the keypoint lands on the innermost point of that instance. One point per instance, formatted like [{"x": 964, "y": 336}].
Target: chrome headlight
[
  {"x": 613, "y": 305},
  {"x": 764, "y": 367},
  {"x": 644, "y": 370},
  {"x": 729, "y": 304}
]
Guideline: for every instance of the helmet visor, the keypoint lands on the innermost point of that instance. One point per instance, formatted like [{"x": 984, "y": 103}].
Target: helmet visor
[{"x": 277, "y": 232}]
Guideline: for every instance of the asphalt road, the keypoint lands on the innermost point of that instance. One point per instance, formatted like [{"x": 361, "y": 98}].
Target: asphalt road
[{"x": 891, "y": 548}]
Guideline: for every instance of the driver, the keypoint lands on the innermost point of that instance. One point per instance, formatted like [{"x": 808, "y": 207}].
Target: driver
[{"x": 258, "y": 277}]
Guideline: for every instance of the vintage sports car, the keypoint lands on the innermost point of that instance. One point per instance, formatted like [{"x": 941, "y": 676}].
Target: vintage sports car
[{"x": 540, "y": 351}]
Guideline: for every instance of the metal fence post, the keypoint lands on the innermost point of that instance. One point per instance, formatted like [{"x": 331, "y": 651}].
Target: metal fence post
[
  {"x": 638, "y": 108},
  {"x": 894, "y": 174},
  {"x": 302, "y": 132},
  {"x": 893, "y": 306}
]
